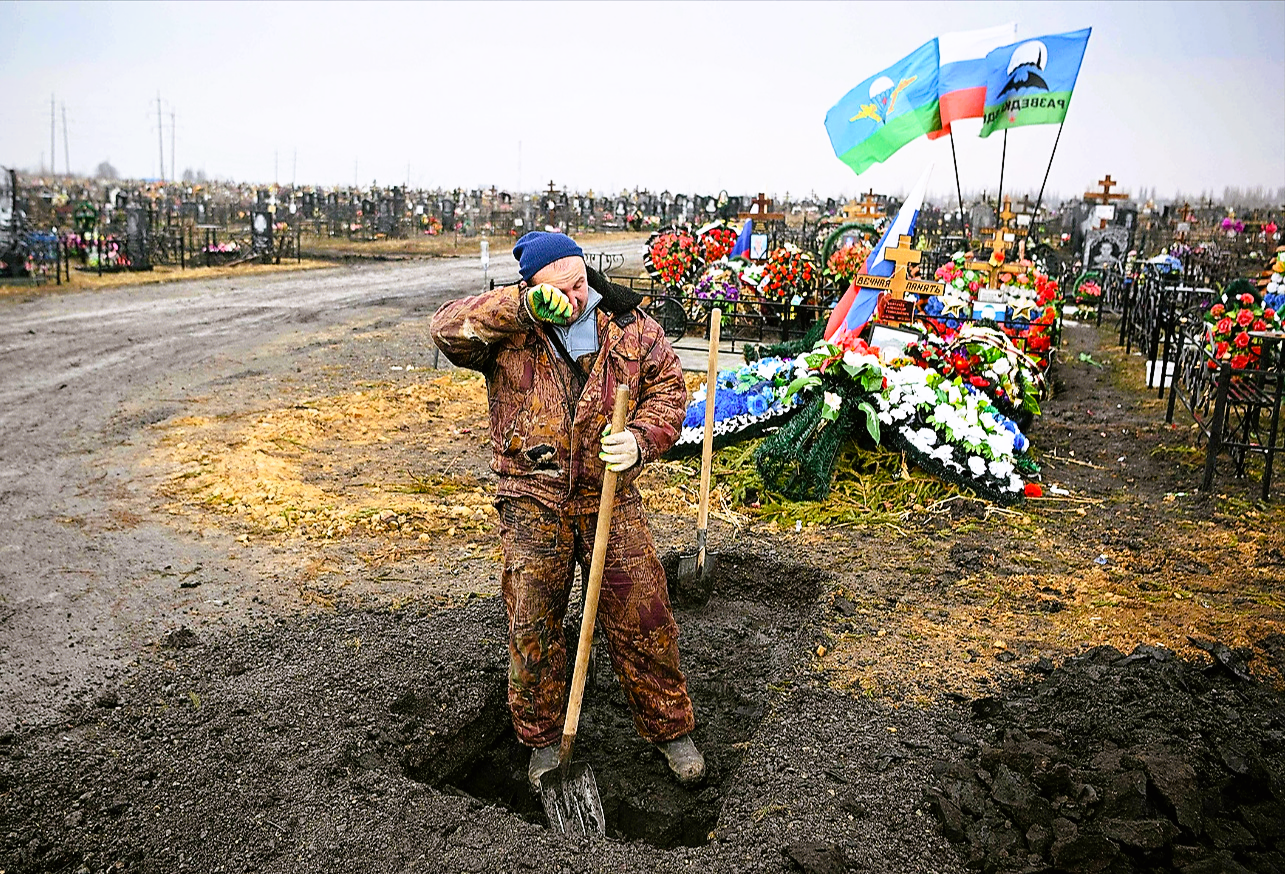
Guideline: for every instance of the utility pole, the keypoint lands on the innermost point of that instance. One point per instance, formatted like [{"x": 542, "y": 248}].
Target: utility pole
[
  {"x": 160, "y": 135},
  {"x": 52, "y": 169},
  {"x": 66, "y": 149},
  {"x": 294, "y": 167},
  {"x": 173, "y": 151}
]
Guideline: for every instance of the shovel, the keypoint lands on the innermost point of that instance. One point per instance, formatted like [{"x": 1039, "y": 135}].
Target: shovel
[
  {"x": 571, "y": 800},
  {"x": 696, "y": 571}
]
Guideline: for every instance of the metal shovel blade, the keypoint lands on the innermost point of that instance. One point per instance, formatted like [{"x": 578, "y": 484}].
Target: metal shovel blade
[
  {"x": 572, "y": 804},
  {"x": 696, "y": 577}
]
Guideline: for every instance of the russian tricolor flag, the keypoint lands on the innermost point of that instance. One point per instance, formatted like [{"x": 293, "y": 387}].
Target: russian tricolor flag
[
  {"x": 961, "y": 82},
  {"x": 857, "y": 305},
  {"x": 742, "y": 246}
]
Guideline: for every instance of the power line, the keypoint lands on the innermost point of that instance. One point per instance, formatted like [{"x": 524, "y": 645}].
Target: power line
[
  {"x": 66, "y": 149},
  {"x": 160, "y": 135}
]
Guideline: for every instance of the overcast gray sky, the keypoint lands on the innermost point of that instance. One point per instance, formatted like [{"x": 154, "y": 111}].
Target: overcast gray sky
[{"x": 685, "y": 96}]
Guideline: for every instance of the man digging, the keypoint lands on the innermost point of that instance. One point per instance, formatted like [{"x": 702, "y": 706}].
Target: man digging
[{"x": 553, "y": 349}]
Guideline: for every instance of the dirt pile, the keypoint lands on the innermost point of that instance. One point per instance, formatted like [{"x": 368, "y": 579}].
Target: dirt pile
[{"x": 1120, "y": 763}]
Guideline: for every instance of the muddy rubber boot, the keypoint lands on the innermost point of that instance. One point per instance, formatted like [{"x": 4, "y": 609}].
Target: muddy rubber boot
[
  {"x": 542, "y": 762},
  {"x": 684, "y": 759}
]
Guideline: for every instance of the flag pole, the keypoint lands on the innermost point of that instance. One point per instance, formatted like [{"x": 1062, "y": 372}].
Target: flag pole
[
  {"x": 999, "y": 198},
  {"x": 962, "y": 221},
  {"x": 1040, "y": 199}
]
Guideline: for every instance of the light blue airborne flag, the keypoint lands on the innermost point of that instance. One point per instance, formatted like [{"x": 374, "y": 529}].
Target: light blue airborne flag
[
  {"x": 888, "y": 110},
  {"x": 1030, "y": 82}
]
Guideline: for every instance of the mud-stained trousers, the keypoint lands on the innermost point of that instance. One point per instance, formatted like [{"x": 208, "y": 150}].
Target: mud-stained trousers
[{"x": 541, "y": 548}]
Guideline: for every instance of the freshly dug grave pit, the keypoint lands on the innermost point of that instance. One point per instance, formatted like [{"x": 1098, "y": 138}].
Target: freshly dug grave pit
[
  {"x": 1120, "y": 763},
  {"x": 734, "y": 647}
]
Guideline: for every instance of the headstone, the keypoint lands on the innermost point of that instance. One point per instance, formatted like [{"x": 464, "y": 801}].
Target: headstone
[
  {"x": 981, "y": 216},
  {"x": 1103, "y": 246},
  {"x": 261, "y": 232},
  {"x": 8, "y": 199},
  {"x": 136, "y": 237}
]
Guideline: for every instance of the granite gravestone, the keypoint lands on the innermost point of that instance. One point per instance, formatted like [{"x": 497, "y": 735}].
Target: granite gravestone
[
  {"x": 136, "y": 231},
  {"x": 1105, "y": 246},
  {"x": 8, "y": 212},
  {"x": 981, "y": 216},
  {"x": 261, "y": 232}
]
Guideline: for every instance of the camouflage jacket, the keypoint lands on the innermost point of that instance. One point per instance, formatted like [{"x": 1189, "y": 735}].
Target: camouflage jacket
[{"x": 544, "y": 433}]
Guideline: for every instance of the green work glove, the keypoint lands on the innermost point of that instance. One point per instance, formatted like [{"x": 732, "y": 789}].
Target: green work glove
[{"x": 548, "y": 304}]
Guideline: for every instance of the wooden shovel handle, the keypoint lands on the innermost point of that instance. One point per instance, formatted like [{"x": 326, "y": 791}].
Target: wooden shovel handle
[
  {"x": 592, "y": 587},
  {"x": 707, "y": 448}
]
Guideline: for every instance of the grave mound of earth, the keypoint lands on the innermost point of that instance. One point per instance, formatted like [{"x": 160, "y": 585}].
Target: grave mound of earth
[
  {"x": 1120, "y": 763},
  {"x": 734, "y": 646}
]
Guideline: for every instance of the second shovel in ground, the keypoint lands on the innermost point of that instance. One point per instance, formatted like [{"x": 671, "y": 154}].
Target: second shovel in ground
[{"x": 696, "y": 570}]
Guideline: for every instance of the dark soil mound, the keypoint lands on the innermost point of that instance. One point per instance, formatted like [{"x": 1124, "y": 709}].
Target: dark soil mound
[
  {"x": 1124, "y": 763},
  {"x": 376, "y": 740}
]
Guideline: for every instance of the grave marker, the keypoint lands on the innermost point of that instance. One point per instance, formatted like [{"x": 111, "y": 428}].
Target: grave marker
[
  {"x": 761, "y": 210},
  {"x": 261, "y": 232},
  {"x": 895, "y": 308},
  {"x": 1105, "y": 211}
]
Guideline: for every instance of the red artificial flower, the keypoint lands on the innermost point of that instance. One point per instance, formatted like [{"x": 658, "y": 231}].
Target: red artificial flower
[
  {"x": 1220, "y": 349},
  {"x": 1244, "y": 317},
  {"x": 1033, "y": 490},
  {"x": 978, "y": 382},
  {"x": 1246, "y": 298},
  {"x": 1238, "y": 362},
  {"x": 1241, "y": 341},
  {"x": 1217, "y": 310},
  {"x": 1269, "y": 313},
  {"x": 1223, "y": 326},
  {"x": 1212, "y": 365},
  {"x": 1259, "y": 325}
]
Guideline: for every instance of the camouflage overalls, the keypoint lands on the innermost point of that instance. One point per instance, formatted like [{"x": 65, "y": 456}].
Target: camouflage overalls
[{"x": 545, "y": 431}]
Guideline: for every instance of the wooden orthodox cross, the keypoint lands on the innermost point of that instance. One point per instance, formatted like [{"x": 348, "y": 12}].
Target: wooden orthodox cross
[
  {"x": 1105, "y": 196},
  {"x": 763, "y": 212},
  {"x": 896, "y": 309},
  {"x": 868, "y": 208},
  {"x": 1004, "y": 233}
]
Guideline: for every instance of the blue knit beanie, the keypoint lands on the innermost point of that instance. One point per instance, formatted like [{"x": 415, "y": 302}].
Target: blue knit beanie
[{"x": 538, "y": 249}]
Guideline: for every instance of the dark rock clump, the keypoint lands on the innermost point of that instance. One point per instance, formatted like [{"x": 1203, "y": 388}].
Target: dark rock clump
[{"x": 1117, "y": 763}]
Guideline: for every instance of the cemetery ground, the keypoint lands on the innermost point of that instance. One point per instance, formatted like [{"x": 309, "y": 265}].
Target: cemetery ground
[
  {"x": 444, "y": 245},
  {"x": 85, "y": 280},
  {"x": 249, "y": 622}
]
